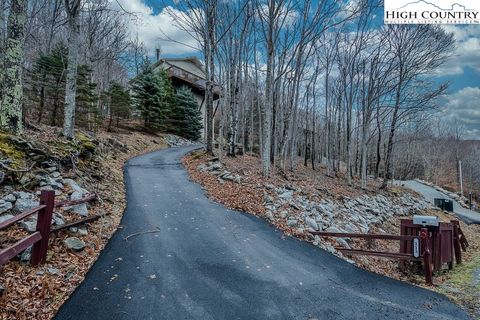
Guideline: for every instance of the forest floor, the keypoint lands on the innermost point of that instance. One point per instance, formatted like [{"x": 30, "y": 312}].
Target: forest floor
[
  {"x": 37, "y": 293},
  {"x": 462, "y": 284}
]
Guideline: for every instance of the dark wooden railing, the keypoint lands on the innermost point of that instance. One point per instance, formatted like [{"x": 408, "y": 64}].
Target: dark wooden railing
[
  {"x": 39, "y": 239},
  {"x": 423, "y": 254}
]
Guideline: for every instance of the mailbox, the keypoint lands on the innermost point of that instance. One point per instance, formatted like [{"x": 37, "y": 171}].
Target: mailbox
[
  {"x": 430, "y": 221},
  {"x": 444, "y": 204}
]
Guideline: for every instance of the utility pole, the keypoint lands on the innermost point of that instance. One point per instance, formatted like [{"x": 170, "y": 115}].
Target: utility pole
[{"x": 460, "y": 177}]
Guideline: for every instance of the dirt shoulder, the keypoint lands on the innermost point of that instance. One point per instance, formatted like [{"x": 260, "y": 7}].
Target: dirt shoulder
[{"x": 297, "y": 203}]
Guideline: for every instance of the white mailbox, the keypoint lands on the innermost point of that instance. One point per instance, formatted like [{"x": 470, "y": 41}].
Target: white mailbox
[{"x": 430, "y": 221}]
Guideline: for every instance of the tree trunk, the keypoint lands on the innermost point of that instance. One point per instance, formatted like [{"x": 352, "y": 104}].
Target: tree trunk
[
  {"x": 379, "y": 144},
  {"x": 11, "y": 104},
  {"x": 393, "y": 125},
  {"x": 71, "y": 79}
]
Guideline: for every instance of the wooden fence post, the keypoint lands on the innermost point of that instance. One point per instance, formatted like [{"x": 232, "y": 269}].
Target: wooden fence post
[
  {"x": 44, "y": 222},
  {"x": 456, "y": 242},
  {"x": 427, "y": 257}
]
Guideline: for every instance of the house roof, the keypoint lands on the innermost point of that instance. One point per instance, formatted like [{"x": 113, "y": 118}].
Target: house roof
[
  {"x": 190, "y": 64},
  {"x": 188, "y": 70}
]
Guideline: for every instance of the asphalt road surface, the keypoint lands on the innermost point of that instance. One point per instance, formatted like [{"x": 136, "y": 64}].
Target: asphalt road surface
[
  {"x": 429, "y": 193},
  {"x": 208, "y": 262}
]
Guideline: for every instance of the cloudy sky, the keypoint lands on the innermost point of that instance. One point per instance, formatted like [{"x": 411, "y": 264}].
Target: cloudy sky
[{"x": 154, "y": 26}]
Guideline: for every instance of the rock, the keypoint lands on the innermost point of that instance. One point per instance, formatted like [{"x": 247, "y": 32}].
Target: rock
[
  {"x": 292, "y": 222},
  {"x": 83, "y": 231},
  {"x": 2, "y": 290},
  {"x": 300, "y": 231},
  {"x": 22, "y": 195},
  {"x": 333, "y": 229},
  {"x": 295, "y": 206},
  {"x": 29, "y": 181},
  {"x": 26, "y": 255},
  {"x": 270, "y": 207},
  {"x": 74, "y": 186},
  {"x": 58, "y": 219},
  {"x": 287, "y": 194},
  {"x": 214, "y": 166},
  {"x": 23, "y": 204},
  {"x": 2, "y": 177},
  {"x": 54, "y": 183},
  {"x": 230, "y": 177},
  {"x": 343, "y": 243},
  {"x": 55, "y": 174},
  {"x": 52, "y": 270},
  {"x": 74, "y": 243},
  {"x": 269, "y": 215},
  {"x": 330, "y": 248},
  {"x": 311, "y": 223},
  {"x": 29, "y": 226},
  {"x": 51, "y": 169},
  {"x": 5, "y": 217},
  {"x": 10, "y": 198},
  {"x": 267, "y": 198},
  {"x": 80, "y": 209},
  {"x": 5, "y": 207},
  {"x": 269, "y": 186},
  {"x": 283, "y": 214}
]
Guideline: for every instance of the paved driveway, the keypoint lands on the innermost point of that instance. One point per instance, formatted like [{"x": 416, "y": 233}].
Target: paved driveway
[
  {"x": 429, "y": 193},
  {"x": 207, "y": 262}
]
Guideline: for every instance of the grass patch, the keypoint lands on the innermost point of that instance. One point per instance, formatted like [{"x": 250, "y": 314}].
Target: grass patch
[{"x": 461, "y": 287}]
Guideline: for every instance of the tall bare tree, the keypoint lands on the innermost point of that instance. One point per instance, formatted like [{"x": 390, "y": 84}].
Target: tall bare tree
[
  {"x": 417, "y": 51},
  {"x": 72, "y": 8}
]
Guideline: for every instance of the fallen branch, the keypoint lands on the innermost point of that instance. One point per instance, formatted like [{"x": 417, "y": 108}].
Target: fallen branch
[
  {"x": 68, "y": 203},
  {"x": 142, "y": 232},
  {"x": 8, "y": 168},
  {"x": 76, "y": 223}
]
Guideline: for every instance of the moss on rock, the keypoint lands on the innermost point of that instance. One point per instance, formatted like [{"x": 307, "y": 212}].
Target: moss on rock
[{"x": 10, "y": 151}]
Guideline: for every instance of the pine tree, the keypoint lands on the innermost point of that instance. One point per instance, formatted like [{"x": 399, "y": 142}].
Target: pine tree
[
  {"x": 168, "y": 98},
  {"x": 186, "y": 119},
  {"x": 89, "y": 114},
  {"x": 119, "y": 103},
  {"x": 150, "y": 99},
  {"x": 48, "y": 83}
]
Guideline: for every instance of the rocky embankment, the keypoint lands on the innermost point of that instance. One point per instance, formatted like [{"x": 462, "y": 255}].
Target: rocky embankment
[
  {"x": 42, "y": 159},
  {"x": 351, "y": 215},
  {"x": 291, "y": 208},
  {"x": 217, "y": 169},
  {"x": 55, "y": 167},
  {"x": 175, "y": 141}
]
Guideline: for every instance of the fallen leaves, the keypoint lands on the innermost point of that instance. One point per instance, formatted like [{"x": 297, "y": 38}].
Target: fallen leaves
[
  {"x": 248, "y": 197},
  {"x": 35, "y": 293}
]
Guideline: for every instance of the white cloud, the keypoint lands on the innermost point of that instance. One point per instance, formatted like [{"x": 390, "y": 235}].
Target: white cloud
[
  {"x": 154, "y": 29},
  {"x": 463, "y": 107},
  {"x": 467, "y": 53}
]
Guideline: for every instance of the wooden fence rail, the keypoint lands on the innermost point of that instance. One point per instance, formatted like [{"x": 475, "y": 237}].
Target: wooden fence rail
[
  {"x": 39, "y": 239},
  {"x": 422, "y": 239}
]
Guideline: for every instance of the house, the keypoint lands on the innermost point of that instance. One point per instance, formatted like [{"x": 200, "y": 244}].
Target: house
[{"x": 190, "y": 72}]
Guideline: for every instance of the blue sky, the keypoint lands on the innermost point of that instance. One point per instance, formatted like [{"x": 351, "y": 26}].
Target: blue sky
[{"x": 461, "y": 105}]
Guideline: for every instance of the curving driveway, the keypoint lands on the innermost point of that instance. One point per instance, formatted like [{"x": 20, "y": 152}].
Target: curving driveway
[
  {"x": 207, "y": 262},
  {"x": 429, "y": 193}
]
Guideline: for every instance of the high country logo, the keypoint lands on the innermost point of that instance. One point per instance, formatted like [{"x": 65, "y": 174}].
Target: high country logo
[{"x": 427, "y": 12}]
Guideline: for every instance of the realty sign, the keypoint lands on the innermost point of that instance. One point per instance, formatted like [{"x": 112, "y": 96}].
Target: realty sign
[{"x": 432, "y": 12}]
